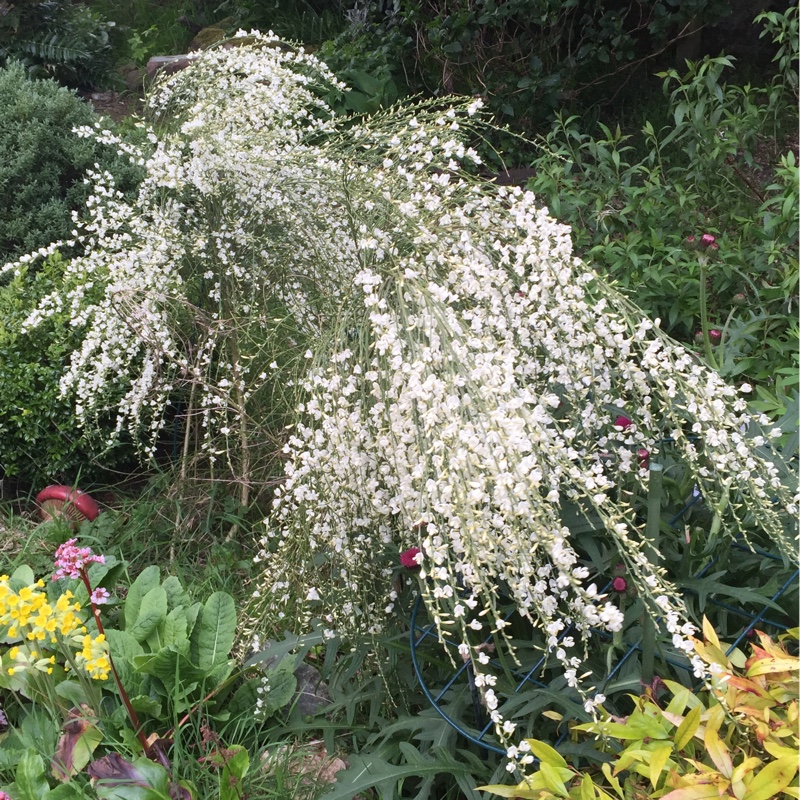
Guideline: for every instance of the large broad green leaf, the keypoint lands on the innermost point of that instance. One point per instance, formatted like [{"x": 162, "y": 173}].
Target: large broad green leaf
[
  {"x": 146, "y": 705},
  {"x": 214, "y": 632},
  {"x": 173, "y": 669},
  {"x": 30, "y": 783},
  {"x": 152, "y": 613},
  {"x": 174, "y": 631},
  {"x": 72, "y": 692},
  {"x": 124, "y": 648},
  {"x": 176, "y": 594},
  {"x": 147, "y": 579}
]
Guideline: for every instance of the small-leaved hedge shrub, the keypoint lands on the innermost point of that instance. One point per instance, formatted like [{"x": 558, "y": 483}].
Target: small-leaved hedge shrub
[
  {"x": 43, "y": 163},
  {"x": 40, "y": 438}
]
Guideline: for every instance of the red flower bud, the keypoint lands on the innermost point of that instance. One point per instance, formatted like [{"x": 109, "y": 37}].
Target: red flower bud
[
  {"x": 714, "y": 336},
  {"x": 707, "y": 240},
  {"x": 622, "y": 422},
  {"x": 740, "y": 299},
  {"x": 619, "y": 584},
  {"x": 408, "y": 558},
  {"x": 644, "y": 457}
]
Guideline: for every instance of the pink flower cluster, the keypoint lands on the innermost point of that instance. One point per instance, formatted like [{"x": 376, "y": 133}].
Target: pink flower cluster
[
  {"x": 71, "y": 560},
  {"x": 706, "y": 241}
]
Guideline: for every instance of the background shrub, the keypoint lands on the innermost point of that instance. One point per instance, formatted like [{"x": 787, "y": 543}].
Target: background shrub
[
  {"x": 58, "y": 39},
  {"x": 43, "y": 163},
  {"x": 40, "y": 439},
  {"x": 721, "y": 163}
]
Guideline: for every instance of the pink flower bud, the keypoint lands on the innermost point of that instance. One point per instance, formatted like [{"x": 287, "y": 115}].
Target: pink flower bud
[
  {"x": 408, "y": 558},
  {"x": 707, "y": 240},
  {"x": 644, "y": 457},
  {"x": 740, "y": 299},
  {"x": 691, "y": 240},
  {"x": 619, "y": 584},
  {"x": 714, "y": 336},
  {"x": 622, "y": 422}
]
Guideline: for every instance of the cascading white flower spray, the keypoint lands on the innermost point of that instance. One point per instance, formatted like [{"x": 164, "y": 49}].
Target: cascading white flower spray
[{"x": 457, "y": 371}]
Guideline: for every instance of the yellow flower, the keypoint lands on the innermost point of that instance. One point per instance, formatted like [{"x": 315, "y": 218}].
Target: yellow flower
[{"x": 94, "y": 657}]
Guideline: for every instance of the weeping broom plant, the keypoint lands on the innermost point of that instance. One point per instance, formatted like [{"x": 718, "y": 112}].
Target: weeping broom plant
[{"x": 457, "y": 375}]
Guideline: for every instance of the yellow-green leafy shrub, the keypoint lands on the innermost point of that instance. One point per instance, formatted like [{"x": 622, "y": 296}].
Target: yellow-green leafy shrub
[{"x": 737, "y": 738}]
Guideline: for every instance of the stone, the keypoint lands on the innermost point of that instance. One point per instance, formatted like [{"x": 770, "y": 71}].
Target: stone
[{"x": 312, "y": 693}]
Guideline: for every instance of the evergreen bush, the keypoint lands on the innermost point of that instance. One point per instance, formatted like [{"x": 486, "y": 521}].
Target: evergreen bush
[{"x": 42, "y": 162}]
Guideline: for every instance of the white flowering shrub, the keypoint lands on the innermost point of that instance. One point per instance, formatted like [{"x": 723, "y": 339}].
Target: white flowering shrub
[{"x": 459, "y": 374}]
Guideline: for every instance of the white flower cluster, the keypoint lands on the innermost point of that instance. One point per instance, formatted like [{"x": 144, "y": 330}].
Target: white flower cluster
[
  {"x": 178, "y": 290},
  {"x": 460, "y": 371}
]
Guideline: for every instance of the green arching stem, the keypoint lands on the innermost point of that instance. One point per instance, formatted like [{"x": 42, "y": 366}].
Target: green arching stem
[
  {"x": 702, "y": 261},
  {"x": 652, "y": 535}
]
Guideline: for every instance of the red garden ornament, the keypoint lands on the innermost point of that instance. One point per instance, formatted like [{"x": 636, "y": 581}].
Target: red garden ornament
[{"x": 66, "y": 502}]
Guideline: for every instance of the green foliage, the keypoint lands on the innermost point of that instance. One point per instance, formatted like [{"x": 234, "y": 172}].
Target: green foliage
[
  {"x": 58, "y": 39},
  {"x": 524, "y": 57},
  {"x": 719, "y": 168},
  {"x": 172, "y": 676},
  {"x": 39, "y": 435},
  {"x": 309, "y": 21},
  {"x": 738, "y": 738},
  {"x": 156, "y": 29},
  {"x": 43, "y": 163}
]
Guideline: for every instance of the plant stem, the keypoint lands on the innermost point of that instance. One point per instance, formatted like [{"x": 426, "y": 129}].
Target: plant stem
[
  {"x": 652, "y": 535},
  {"x": 702, "y": 261},
  {"x": 148, "y": 750}
]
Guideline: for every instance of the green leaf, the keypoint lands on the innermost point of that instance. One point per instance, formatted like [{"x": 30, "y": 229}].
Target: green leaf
[
  {"x": 176, "y": 594},
  {"x": 30, "y": 783},
  {"x": 708, "y": 586},
  {"x": 214, "y": 631},
  {"x": 773, "y": 779},
  {"x": 124, "y": 648},
  {"x": 555, "y": 783},
  {"x": 366, "y": 772},
  {"x": 282, "y": 686},
  {"x": 659, "y": 757},
  {"x": 71, "y": 691},
  {"x": 148, "y": 579},
  {"x": 172, "y": 668},
  {"x": 146, "y": 705},
  {"x": 235, "y": 768},
  {"x": 65, "y": 791},
  {"x": 152, "y": 612},
  {"x": 687, "y": 728},
  {"x": 546, "y": 754},
  {"x": 174, "y": 631}
]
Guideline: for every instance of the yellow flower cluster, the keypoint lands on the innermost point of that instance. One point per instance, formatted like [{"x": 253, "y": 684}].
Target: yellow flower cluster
[
  {"x": 94, "y": 657},
  {"x": 27, "y": 615}
]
